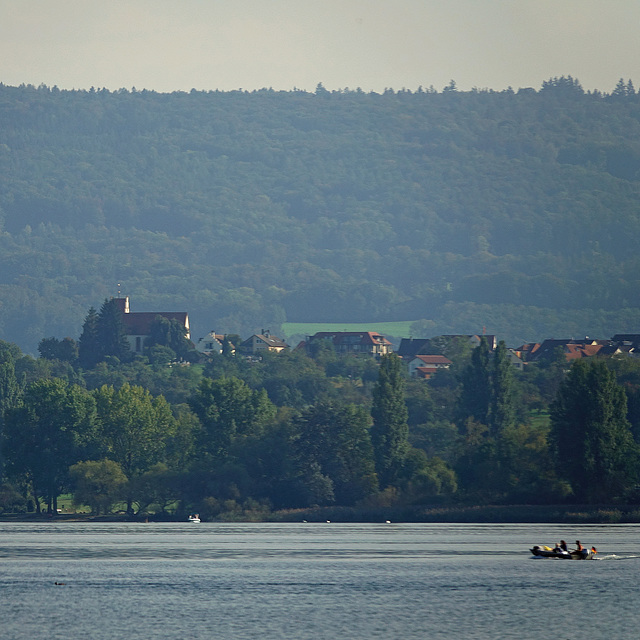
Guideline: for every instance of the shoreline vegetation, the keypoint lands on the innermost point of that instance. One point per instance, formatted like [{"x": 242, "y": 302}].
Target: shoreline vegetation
[{"x": 485, "y": 514}]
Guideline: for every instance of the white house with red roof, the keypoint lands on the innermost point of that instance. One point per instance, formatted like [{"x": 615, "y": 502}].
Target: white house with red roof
[{"x": 426, "y": 366}]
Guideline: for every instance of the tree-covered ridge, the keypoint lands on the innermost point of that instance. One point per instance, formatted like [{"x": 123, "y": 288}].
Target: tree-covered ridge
[{"x": 249, "y": 209}]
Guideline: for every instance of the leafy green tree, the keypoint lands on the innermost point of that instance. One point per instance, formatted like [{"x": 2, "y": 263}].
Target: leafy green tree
[
  {"x": 11, "y": 499},
  {"x": 591, "y": 436},
  {"x": 157, "y": 486},
  {"x": 291, "y": 379},
  {"x": 52, "y": 429},
  {"x": 335, "y": 438},
  {"x": 429, "y": 478},
  {"x": 65, "y": 350},
  {"x": 548, "y": 373},
  {"x": 134, "y": 427},
  {"x": 525, "y": 469},
  {"x": 390, "y": 431},
  {"x": 9, "y": 352},
  {"x": 97, "y": 483},
  {"x": 169, "y": 333},
  {"x": 229, "y": 410},
  {"x": 180, "y": 446}
]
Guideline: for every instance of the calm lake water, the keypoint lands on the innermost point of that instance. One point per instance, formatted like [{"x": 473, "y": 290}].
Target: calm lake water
[{"x": 314, "y": 581}]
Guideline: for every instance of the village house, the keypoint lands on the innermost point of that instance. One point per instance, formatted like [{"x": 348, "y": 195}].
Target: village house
[
  {"x": 627, "y": 343},
  {"x": 571, "y": 348},
  {"x": 212, "y": 343},
  {"x": 261, "y": 342},
  {"x": 138, "y": 324},
  {"x": 424, "y": 366},
  {"x": 354, "y": 342}
]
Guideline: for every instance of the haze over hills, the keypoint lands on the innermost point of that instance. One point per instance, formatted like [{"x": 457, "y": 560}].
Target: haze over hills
[{"x": 517, "y": 211}]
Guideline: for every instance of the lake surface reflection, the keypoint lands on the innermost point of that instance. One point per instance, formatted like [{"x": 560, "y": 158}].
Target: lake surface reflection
[{"x": 303, "y": 581}]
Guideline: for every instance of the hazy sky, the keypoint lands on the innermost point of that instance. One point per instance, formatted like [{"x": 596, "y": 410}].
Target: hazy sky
[{"x": 371, "y": 44}]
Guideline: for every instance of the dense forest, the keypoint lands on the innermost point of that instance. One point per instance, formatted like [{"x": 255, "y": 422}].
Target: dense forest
[
  {"x": 514, "y": 210},
  {"x": 243, "y": 437}
]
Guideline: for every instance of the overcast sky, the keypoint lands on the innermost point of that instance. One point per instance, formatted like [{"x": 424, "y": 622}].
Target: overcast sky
[{"x": 171, "y": 45}]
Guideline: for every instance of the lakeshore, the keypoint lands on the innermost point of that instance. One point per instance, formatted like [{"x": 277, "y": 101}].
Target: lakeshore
[{"x": 498, "y": 514}]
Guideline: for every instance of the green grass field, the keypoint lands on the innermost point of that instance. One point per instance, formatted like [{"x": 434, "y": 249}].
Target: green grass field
[{"x": 396, "y": 329}]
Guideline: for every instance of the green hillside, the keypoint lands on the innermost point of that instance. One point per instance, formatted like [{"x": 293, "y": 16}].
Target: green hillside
[{"x": 514, "y": 211}]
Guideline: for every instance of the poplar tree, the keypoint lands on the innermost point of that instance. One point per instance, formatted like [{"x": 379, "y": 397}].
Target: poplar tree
[
  {"x": 390, "y": 430},
  {"x": 591, "y": 436},
  {"x": 475, "y": 397},
  {"x": 502, "y": 413}
]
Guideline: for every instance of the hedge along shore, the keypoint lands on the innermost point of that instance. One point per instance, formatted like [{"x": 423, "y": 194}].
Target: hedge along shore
[{"x": 505, "y": 514}]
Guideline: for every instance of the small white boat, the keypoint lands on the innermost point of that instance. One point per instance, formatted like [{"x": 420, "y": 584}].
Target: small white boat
[{"x": 194, "y": 517}]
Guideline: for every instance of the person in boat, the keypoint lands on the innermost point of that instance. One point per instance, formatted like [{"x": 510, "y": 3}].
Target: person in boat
[{"x": 563, "y": 545}]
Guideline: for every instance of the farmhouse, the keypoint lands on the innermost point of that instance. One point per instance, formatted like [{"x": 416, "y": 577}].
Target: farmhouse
[{"x": 426, "y": 366}]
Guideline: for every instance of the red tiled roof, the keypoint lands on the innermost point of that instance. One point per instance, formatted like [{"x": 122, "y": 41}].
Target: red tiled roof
[
  {"x": 575, "y": 351},
  {"x": 425, "y": 372},
  {"x": 338, "y": 337},
  {"x": 434, "y": 359}
]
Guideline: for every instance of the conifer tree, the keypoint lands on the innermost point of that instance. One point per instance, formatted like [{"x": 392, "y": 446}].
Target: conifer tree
[
  {"x": 112, "y": 339},
  {"x": 88, "y": 349}
]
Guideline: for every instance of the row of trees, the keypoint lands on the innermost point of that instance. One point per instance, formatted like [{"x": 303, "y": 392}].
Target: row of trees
[
  {"x": 229, "y": 441},
  {"x": 292, "y": 431}
]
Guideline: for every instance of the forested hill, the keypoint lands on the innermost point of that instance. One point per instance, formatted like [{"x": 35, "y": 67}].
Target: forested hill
[{"x": 518, "y": 211}]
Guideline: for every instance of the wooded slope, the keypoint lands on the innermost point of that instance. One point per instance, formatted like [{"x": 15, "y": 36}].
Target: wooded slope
[{"x": 515, "y": 211}]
